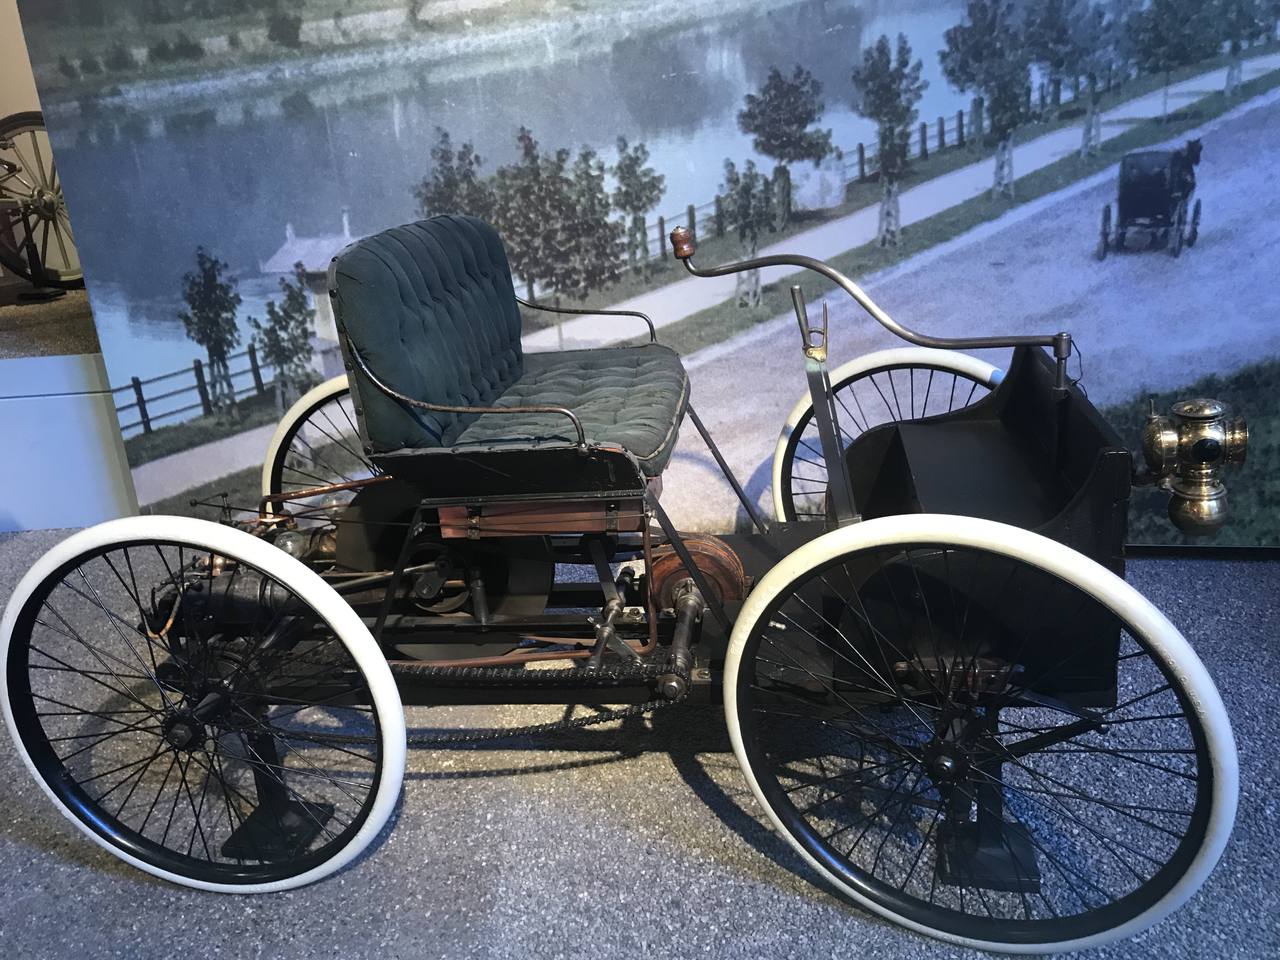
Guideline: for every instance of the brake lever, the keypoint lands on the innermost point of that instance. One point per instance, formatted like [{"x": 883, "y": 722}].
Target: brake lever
[{"x": 813, "y": 339}]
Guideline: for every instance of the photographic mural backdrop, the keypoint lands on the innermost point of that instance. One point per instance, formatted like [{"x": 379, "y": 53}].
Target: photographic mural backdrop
[{"x": 954, "y": 157}]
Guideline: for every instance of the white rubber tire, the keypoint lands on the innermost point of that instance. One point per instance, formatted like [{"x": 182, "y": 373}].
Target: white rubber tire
[
  {"x": 308, "y": 586},
  {"x": 1071, "y": 566},
  {"x": 960, "y": 363},
  {"x": 312, "y": 398}
]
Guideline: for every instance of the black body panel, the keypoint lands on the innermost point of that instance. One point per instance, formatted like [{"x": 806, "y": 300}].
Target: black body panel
[{"x": 1019, "y": 456}]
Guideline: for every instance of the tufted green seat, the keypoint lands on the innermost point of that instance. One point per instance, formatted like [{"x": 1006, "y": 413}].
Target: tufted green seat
[{"x": 430, "y": 308}]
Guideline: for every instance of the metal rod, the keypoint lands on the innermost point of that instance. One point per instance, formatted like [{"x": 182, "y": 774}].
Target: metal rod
[
  {"x": 327, "y": 488},
  {"x": 356, "y": 584},
  {"x": 402, "y": 561},
  {"x": 595, "y": 549},
  {"x": 677, "y": 543},
  {"x": 682, "y": 242},
  {"x": 650, "y": 604},
  {"x": 653, "y": 333},
  {"x": 688, "y": 613},
  {"x": 729, "y": 475},
  {"x": 814, "y": 343},
  {"x": 839, "y": 485},
  {"x": 449, "y": 408}
]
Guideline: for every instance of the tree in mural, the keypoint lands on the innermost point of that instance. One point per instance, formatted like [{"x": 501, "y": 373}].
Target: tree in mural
[
  {"x": 1243, "y": 22},
  {"x": 985, "y": 54},
  {"x": 455, "y": 184},
  {"x": 1071, "y": 39},
  {"x": 523, "y": 204},
  {"x": 638, "y": 190},
  {"x": 748, "y": 212},
  {"x": 1167, "y": 34},
  {"x": 1098, "y": 39},
  {"x": 1053, "y": 43},
  {"x": 210, "y": 321},
  {"x": 780, "y": 115},
  {"x": 590, "y": 253},
  {"x": 554, "y": 220},
  {"x": 285, "y": 339},
  {"x": 888, "y": 88}
]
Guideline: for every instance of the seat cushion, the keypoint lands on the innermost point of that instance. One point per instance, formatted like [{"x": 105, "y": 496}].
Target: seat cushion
[
  {"x": 430, "y": 308},
  {"x": 634, "y": 397}
]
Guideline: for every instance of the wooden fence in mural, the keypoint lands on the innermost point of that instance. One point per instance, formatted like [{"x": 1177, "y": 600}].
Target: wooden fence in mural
[
  {"x": 856, "y": 166},
  {"x": 187, "y": 387}
]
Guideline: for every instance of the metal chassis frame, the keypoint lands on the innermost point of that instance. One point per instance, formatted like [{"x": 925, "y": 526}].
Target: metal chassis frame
[{"x": 717, "y": 609}]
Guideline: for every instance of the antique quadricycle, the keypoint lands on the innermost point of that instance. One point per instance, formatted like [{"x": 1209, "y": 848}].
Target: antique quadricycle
[{"x": 935, "y": 679}]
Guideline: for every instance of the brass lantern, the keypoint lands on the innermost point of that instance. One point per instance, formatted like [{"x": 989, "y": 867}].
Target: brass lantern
[{"x": 1189, "y": 451}]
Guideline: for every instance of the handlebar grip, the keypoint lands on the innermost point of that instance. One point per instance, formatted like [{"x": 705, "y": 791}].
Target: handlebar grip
[{"x": 682, "y": 244}]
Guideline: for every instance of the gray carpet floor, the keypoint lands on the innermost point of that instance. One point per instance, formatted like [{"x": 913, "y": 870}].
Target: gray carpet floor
[
  {"x": 55, "y": 327},
  {"x": 632, "y": 841}
]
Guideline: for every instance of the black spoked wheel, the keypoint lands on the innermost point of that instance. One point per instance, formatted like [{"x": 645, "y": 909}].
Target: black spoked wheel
[
  {"x": 908, "y": 384},
  {"x": 1011, "y": 754},
  {"x": 199, "y": 707},
  {"x": 1178, "y": 232},
  {"x": 1193, "y": 229},
  {"x": 317, "y": 444},
  {"x": 36, "y": 241}
]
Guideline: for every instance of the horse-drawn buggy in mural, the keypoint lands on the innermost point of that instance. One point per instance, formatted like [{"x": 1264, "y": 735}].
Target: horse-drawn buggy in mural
[
  {"x": 936, "y": 681},
  {"x": 1156, "y": 199}
]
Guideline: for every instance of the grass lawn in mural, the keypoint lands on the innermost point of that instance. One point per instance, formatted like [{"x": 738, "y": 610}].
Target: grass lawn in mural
[
  {"x": 252, "y": 411},
  {"x": 742, "y": 120}
]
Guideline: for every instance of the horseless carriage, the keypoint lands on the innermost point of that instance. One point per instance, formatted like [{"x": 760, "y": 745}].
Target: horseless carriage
[
  {"x": 1156, "y": 196},
  {"x": 936, "y": 681}
]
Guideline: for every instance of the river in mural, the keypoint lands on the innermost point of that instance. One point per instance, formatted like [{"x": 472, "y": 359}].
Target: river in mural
[{"x": 231, "y": 169}]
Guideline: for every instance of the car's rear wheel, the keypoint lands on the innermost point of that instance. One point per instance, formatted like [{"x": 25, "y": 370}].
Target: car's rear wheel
[
  {"x": 917, "y": 702},
  {"x": 888, "y": 386},
  {"x": 316, "y": 444}
]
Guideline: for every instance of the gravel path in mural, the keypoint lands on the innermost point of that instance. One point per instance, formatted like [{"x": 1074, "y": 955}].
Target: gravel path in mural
[{"x": 1142, "y": 319}]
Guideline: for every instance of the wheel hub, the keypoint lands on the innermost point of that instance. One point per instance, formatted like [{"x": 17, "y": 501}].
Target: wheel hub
[
  {"x": 44, "y": 203},
  {"x": 204, "y": 702},
  {"x": 183, "y": 731},
  {"x": 945, "y": 762}
]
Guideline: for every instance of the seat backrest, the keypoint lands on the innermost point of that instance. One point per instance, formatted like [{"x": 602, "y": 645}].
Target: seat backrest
[{"x": 430, "y": 308}]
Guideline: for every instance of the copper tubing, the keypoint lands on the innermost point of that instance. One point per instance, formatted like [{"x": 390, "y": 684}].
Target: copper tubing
[{"x": 317, "y": 491}]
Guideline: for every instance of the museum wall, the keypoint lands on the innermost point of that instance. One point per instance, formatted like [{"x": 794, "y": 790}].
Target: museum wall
[
  {"x": 58, "y": 427},
  {"x": 242, "y": 143},
  {"x": 17, "y": 85}
]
